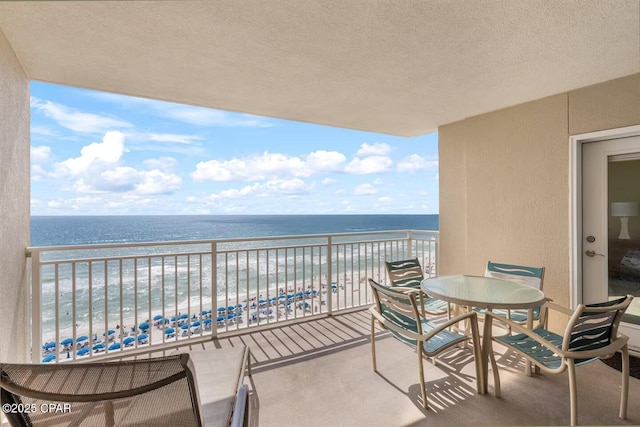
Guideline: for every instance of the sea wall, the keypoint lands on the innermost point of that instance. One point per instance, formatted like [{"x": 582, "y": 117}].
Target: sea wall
[{"x": 14, "y": 205}]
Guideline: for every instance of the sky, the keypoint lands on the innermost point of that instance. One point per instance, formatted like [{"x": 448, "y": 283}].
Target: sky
[{"x": 97, "y": 153}]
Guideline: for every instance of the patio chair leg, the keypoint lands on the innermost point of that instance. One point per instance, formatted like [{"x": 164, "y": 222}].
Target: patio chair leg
[
  {"x": 624, "y": 392},
  {"x": 571, "y": 368},
  {"x": 477, "y": 356},
  {"x": 421, "y": 368},
  {"x": 373, "y": 343}
]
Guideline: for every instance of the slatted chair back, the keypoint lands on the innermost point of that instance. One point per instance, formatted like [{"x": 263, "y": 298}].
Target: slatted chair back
[
  {"x": 594, "y": 326},
  {"x": 159, "y": 391},
  {"x": 400, "y": 310},
  {"x": 531, "y": 276},
  {"x": 406, "y": 273}
]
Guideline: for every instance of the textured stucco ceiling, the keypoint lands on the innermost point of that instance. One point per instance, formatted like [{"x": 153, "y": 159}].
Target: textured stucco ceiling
[{"x": 390, "y": 66}]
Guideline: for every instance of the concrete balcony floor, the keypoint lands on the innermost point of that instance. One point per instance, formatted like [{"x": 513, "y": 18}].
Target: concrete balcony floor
[{"x": 319, "y": 373}]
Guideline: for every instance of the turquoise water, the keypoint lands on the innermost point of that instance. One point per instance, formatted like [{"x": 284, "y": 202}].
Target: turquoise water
[{"x": 149, "y": 284}]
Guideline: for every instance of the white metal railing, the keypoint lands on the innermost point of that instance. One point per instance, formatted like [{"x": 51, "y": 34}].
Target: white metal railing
[{"x": 102, "y": 299}]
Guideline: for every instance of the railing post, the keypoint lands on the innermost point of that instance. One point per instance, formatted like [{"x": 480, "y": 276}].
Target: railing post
[
  {"x": 437, "y": 263},
  {"x": 214, "y": 288},
  {"x": 329, "y": 275},
  {"x": 410, "y": 242},
  {"x": 36, "y": 308}
]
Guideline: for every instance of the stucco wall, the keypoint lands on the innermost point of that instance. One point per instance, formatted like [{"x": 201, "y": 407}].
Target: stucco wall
[
  {"x": 504, "y": 180},
  {"x": 14, "y": 205}
]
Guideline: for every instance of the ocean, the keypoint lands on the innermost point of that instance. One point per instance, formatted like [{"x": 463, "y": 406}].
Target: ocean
[
  {"x": 124, "y": 291},
  {"x": 81, "y": 230}
]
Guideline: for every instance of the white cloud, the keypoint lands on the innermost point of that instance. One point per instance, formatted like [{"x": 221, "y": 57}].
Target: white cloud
[
  {"x": 365, "y": 189},
  {"x": 291, "y": 187},
  {"x": 40, "y": 154},
  {"x": 75, "y": 120},
  {"x": 163, "y": 163},
  {"x": 325, "y": 161},
  {"x": 385, "y": 200},
  {"x": 329, "y": 181},
  {"x": 268, "y": 166},
  {"x": 414, "y": 163},
  {"x": 171, "y": 137},
  {"x": 95, "y": 156},
  {"x": 373, "y": 164},
  {"x": 98, "y": 170},
  {"x": 377, "y": 149}
]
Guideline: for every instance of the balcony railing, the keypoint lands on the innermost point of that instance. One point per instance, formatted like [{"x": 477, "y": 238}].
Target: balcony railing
[{"x": 93, "y": 300}]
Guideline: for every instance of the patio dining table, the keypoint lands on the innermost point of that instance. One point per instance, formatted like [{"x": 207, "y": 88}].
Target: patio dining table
[{"x": 488, "y": 293}]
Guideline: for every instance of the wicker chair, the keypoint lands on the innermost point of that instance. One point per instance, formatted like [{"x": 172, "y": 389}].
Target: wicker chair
[
  {"x": 397, "y": 311},
  {"x": 590, "y": 334}
]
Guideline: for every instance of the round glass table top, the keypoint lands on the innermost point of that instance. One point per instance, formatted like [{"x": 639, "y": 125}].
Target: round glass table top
[{"x": 482, "y": 292}]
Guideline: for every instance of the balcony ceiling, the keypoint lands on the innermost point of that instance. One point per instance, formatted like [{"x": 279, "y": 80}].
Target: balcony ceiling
[{"x": 391, "y": 66}]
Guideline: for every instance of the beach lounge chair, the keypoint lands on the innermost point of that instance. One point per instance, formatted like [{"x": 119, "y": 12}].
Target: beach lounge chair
[
  {"x": 590, "y": 334},
  {"x": 408, "y": 274},
  {"x": 397, "y": 311},
  {"x": 197, "y": 388}
]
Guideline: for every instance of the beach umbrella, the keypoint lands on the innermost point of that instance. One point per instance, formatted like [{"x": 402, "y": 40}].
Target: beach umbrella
[
  {"x": 299, "y": 294},
  {"x": 143, "y": 337},
  {"x": 110, "y": 332},
  {"x": 221, "y": 309},
  {"x": 49, "y": 345},
  {"x": 129, "y": 340},
  {"x": 143, "y": 326},
  {"x": 67, "y": 341},
  {"x": 196, "y": 323},
  {"x": 169, "y": 331},
  {"x": 208, "y": 321},
  {"x": 49, "y": 358},
  {"x": 99, "y": 346},
  {"x": 83, "y": 351},
  {"x": 262, "y": 301},
  {"x": 205, "y": 312},
  {"x": 185, "y": 326},
  {"x": 183, "y": 316},
  {"x": 220, "y": 319},
  {"x": 231, "y": 315},
  {"x": 82, "y": 338},
  {"x": 231, "y": 308},
  {"x": 282, "y": 297},
  {"x": 240, "y": 306},
  {"x": 157, "y": 317},
  {"x": 307, "y": 293},
  {"x": 114, "y": 346}
]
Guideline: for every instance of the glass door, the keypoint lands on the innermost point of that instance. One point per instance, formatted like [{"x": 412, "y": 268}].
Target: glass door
[{"x": 611, "y": 226}]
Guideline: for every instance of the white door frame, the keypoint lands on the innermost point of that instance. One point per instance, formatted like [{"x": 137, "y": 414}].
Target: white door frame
[{"x": 575, "y": 176}]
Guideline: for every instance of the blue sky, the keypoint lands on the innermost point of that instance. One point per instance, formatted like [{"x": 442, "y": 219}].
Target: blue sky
[{"x": 95, "y": 153}]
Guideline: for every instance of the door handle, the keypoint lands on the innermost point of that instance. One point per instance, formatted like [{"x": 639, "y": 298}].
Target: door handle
[{"x": 591, "y": 253}]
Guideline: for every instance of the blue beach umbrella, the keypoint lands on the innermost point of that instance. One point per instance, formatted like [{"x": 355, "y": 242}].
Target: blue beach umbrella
[
  {"x": 183, "y": 316},
  {"x": 205, "y": 312},
  {"x": 143, "y": 337},
  {"x": 67, "y": 341},
  {"x": 231, "y": 307},
  {"x": 129, "y": 340},
  {"x": 185, "y": 326},
  {"x": 169, "y": 331},
  {"x": 114, "y": 346},
  {"x": 157, "y": 317},
  {"x": 282, "y": 297},
  {"x": 208, "y": 321},
  {"x": 221, "y": 309},
  {"x": 110, "y": 332},
  {"x": 231, "y": 315},
  {"x": 196, "y": 323},
  {"x": 220, "y": 319},
  {"x": 143, "y": 326},
  {"x": 82, "y": 338},
  {"x": 99, "y": 346},
  {"x": 49, "y": 358},
  {"x": 83, "y": 351},
  {"x": 49, "y": 345}
]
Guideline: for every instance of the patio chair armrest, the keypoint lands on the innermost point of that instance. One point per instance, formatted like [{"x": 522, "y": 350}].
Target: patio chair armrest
[
  {"x": 515, "y": 327},
  {"x": 450, "y": 322},
  {"x": 553, "y": 306}
]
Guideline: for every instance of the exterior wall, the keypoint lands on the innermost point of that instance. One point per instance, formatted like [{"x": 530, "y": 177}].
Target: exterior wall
[
  {"x": 14, "y": 206},
  {"x": 504, "y": 180}
]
